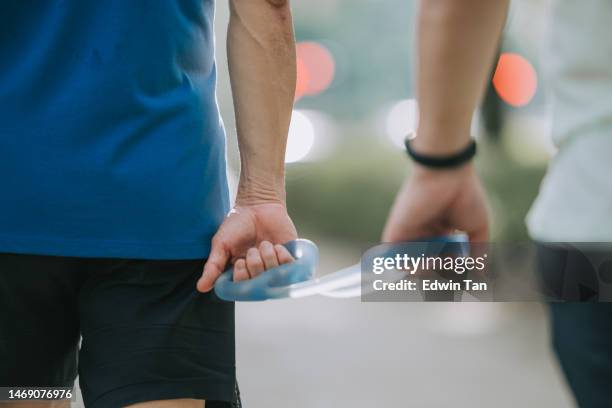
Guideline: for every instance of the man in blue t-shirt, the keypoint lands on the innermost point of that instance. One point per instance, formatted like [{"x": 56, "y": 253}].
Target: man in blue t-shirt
[{"x": 114, "y": 202}]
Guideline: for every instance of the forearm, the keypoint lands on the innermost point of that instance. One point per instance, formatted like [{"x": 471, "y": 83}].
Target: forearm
[
  {"x": 458, "y": 40},
  {"x": 261, "y": 57}
]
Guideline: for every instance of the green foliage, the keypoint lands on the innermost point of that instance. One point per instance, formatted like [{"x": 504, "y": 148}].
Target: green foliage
[{"x": 347, "y": 196}]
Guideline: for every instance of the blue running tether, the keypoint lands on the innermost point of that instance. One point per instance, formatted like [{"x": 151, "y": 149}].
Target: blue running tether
[{"x": 297, "y": 279}]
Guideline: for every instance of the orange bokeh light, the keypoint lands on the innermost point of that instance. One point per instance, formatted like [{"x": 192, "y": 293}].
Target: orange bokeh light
[
  {"x": 315, "y": 68},
  {"x": 515, "y": 80},
  {"x": 302, "y": 78}
]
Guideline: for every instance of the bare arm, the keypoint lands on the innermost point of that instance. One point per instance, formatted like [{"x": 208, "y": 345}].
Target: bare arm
[
  {"x": 261, "y": 55},
  {"x": 456, "y": 48},
  {"x": 458, "y": 40},
  {"x": 261, "y": 59}
]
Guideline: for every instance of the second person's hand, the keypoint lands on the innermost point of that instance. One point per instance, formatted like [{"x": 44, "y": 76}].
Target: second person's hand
[{"x": 436, "y": 202}]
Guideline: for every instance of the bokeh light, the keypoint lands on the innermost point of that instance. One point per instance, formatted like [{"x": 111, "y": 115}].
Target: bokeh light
[
  {"x": 515, "y": 79},
  {"x": 301, "y": 137},
  {"x": 315, "y": 68},
  {"x": 402, "y": 119},
  {"x": 301, "y": 84}
]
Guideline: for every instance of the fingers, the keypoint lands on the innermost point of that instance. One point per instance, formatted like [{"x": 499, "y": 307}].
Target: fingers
[
  {"x": 214, "y": 267},
  {"x": 258, "y": 260},
  {"x": 254, "y": 263},
  {"x": 240, "y": 271},
  {"x": 268, "y": 255},
  {"x": 479, "y": 235},
  {"x": 283, "y": 254}
]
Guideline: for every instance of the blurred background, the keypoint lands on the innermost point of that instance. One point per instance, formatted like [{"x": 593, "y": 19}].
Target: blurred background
[
  {"x": 345, "y": 162},
  {"x": 355, "y": 103}
]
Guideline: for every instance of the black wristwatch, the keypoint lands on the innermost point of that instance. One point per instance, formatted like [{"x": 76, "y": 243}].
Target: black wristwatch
[{"x": 442, "y": 162}]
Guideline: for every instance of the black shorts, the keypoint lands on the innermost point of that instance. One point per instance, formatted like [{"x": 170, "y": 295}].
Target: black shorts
[{"x": 147, "y": 334}]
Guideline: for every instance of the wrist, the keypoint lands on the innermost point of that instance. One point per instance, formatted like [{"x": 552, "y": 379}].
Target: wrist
[
  {"x": 260, "y": 189},
  {"x": 441, "y": 161},
  {"x": 429, "y": 141},
  {"x": 424, "y": 172}
]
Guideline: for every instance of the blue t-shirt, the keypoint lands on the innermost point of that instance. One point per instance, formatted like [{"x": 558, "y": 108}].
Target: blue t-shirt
[{"x": 111, "y": 142}]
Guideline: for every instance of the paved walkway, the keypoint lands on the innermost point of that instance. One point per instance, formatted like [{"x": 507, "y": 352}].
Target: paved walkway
[{"x": 322, "y": 353}]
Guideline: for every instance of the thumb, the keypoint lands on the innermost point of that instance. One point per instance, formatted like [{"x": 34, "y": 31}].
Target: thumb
[{"x": 214, "y": 267}]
